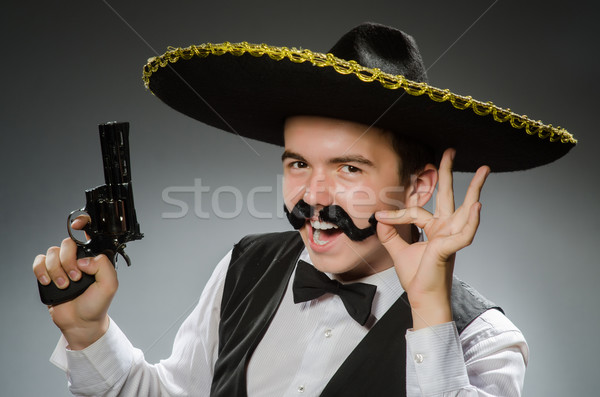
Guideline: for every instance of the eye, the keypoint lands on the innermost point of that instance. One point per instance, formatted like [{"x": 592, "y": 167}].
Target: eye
[
  {"x": 350, "y": 169},
  {"x": 297, "y": 164}
]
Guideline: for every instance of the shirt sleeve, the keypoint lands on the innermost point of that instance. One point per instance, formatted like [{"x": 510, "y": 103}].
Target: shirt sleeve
[
  {"x": 113, "y": 367},
  {"x": 489, "y": 358}
]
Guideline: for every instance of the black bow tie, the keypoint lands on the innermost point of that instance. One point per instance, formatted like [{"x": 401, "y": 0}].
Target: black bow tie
[{"x": 310, "y": 283}]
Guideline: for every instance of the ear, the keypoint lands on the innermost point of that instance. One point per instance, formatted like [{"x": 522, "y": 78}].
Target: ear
[{"x": 422, "y": 186}]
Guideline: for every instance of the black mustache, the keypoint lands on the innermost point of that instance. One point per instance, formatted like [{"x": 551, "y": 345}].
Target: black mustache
[{"x": 333, "y": 214}]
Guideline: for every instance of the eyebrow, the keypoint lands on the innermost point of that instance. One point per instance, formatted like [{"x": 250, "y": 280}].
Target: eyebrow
[
  {"x": 292, "y": 155},
  {"x": 335, "y": 160},
  {"x": 352, "y": 159}
]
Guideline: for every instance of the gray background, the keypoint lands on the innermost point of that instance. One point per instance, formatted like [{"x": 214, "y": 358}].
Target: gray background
[{"x": 69, "y": 65}]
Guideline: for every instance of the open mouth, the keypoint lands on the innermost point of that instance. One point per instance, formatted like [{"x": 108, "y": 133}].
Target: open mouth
[
  {"x": 323, "y": 232},
  {"x": 328, "y": 220}
]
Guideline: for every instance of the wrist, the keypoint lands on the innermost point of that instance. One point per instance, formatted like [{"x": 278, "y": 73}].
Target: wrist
[
  {"x": 431, "y": 312},
  {"x": 81, "y": 336}
]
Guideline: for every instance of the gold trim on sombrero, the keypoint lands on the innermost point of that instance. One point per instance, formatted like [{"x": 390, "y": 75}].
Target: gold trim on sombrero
[{"x": 342, "y": 66}]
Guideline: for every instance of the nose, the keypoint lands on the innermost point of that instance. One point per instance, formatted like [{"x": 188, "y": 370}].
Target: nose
[{"x": 318, "y": 191}]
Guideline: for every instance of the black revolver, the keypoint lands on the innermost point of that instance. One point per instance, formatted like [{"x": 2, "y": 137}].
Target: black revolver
[{"x": 110, "y": 207}]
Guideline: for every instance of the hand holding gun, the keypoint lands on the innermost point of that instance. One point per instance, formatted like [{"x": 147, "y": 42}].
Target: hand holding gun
[{"x": 111, "y": 211}]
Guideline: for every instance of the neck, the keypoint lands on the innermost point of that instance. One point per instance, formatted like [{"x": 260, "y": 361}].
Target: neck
[
  {"x": 375, "y": 263},
  {"x": 380, "y": 260}
]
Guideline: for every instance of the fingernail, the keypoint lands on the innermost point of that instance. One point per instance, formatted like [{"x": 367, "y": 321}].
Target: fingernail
[
  {"x": 389, "y": 214},
  {"x": 83, "y": 261},
  {"x": 60, "y": 281},
  {"x": 44, "y": 280},
  {"x": 74, "y": 275},
  {"x": 382, "y": 214},
  {"x": 386, "y": 214}
]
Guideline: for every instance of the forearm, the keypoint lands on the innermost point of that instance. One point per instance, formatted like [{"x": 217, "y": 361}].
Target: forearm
[{"x": 109, "y": 367}]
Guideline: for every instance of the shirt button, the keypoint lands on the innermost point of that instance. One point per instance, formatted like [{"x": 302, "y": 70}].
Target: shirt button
[
  {"x": 419, "y": 358},
  {"x": 328, "y": 333},
  {"x": 300, "y": 389}
]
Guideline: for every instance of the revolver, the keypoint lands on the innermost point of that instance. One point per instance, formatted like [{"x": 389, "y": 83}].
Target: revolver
[{"x": 113, "y": 221}]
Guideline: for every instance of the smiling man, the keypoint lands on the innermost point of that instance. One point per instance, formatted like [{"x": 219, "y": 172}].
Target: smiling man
[{"x": 361, "y": 300}]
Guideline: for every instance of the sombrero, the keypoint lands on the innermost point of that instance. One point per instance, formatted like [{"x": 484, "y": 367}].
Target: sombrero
[{"x": 373, "y": 75}]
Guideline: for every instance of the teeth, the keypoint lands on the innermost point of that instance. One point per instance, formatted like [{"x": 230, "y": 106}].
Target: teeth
[
  {"x": 322, "y": 225},
  {"x": 317, "y": 226},
  {"x": 316, "y": 235}
]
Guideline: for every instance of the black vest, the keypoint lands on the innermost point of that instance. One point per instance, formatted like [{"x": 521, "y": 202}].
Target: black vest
[{"x": 258, "y": 275}]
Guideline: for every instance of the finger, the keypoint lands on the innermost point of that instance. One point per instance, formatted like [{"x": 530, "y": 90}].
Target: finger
[
  {"x": 465, "y": 237},
  {"x": 412, "y": 215},
  {"x": 476, "y": 185},
  {"x": 39, "y": 269},
  {"x": 445, "y": 197},
  {"x": 80, "y": 222},
  {"x": 68, "y": 259},
  {"x": 54, "y": 268}
]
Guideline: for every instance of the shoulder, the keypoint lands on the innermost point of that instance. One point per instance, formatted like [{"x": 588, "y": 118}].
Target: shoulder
[
  {"x": 492, "y": 332},
  {"x": 468, "y": 304},
  {"x": 483, "y": 327},
  {"x": 490, "y": 324},
  {"x": 254, "y": 254},
  {"x": 264, "y": 243},
  {"x": 263, "y": 259},
  {"x": 262, "y": 238}
]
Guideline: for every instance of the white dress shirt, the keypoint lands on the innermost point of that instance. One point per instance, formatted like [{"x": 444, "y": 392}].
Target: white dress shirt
[{"x": 302, "y": 349}]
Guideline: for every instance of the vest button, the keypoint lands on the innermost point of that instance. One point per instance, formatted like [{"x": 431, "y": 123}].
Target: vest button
[
  {"x": 300, "y": 389},
  {"x": 419, "y": 358}
]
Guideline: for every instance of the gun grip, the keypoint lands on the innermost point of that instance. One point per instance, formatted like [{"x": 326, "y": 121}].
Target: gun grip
[{"x": 52, "y": 295}]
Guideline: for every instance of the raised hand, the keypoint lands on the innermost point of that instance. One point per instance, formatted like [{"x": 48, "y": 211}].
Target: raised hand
[
  {"x": 84, "y": 319},
  {"x": 425, "y": 268}
]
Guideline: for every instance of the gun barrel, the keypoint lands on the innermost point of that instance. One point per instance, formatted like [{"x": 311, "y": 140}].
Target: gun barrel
[
  {"x": 114, "y": 140},
  {"x": 111, "y": 206}
]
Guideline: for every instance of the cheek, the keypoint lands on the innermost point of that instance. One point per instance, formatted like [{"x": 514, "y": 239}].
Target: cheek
[
  {"x": 393, "y": 197},
  {"x": 360, "y": 202},
  {"x": 293, "y": 189},
  {"x": 363, "y": 200}
]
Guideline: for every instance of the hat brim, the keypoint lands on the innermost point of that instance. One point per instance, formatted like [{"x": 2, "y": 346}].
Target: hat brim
[{"x": 251, "y": 89}]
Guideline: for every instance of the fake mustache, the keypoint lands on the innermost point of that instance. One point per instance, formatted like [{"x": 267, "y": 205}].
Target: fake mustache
[{"x": 333, "y": 214}]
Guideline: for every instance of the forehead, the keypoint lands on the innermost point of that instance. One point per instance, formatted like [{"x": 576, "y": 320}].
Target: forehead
[{"x": 312, "y": 134}]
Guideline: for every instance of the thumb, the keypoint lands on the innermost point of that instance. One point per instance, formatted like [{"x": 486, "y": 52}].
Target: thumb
[
  {"x": 104, "y": 272},
  {"x": 389, "y": 238},
  {"x": 396, "y": 248}
]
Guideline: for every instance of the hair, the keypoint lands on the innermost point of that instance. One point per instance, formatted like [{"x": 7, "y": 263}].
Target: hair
[{"x": 414, "y": 156}]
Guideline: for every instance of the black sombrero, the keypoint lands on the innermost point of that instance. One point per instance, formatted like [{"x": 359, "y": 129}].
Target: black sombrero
[{"x": 374, "y": 75}]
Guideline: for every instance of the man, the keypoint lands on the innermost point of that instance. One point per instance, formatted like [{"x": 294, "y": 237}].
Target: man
[{"x": 358, "y": 166}]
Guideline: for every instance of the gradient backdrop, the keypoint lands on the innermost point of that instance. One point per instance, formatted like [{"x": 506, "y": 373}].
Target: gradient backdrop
[{"x": 69, "y": 65}]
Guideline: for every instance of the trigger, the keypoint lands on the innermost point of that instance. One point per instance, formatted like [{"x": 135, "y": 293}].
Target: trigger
[{"x": 121, "y": 251}]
